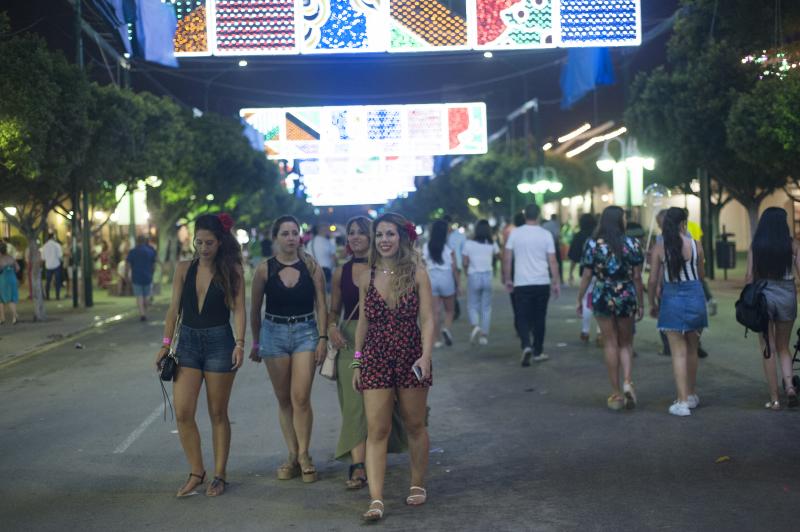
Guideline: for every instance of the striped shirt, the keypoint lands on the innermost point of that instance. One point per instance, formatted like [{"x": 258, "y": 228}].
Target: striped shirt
[{"x": 688, "y": 271}]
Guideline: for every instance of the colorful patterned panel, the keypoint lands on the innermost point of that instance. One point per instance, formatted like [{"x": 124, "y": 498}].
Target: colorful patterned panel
[
  {"x": 252, "y": 26},
  {"x": 509, "y": 24},
  {"x": 467, "y": 128},
  {"x": 595, "y": 23},
  {"x": 191, "y": 34},
  {"x": 330, "y": 25},
  {"x": 427, "y": 24},
  {"x": 383, "y": 124},
  {"x": 426, "y": 128}
]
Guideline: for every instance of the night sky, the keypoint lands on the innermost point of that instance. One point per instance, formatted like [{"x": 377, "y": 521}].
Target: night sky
[{"x": 503, "y": 82}]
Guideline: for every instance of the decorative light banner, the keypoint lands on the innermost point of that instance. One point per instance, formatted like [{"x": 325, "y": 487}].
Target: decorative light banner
[
  {"x": 272, "y": 27},
  {"x": 356, "y": 180},
  {"x": 371, "y": 130}
]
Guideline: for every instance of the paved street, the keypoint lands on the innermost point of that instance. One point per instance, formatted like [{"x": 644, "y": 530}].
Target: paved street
[{"x": 84, "y": 446}]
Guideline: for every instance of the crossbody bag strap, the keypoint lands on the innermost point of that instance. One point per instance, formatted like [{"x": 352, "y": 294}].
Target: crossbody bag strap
[{"x": 350, "y": 317}]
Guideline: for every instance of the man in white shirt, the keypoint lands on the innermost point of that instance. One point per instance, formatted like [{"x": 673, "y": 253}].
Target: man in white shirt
[
  {"x": 535, "y": 278},
  {"x": 324, "y": 252},
  {"x": 52, "y": 255}
]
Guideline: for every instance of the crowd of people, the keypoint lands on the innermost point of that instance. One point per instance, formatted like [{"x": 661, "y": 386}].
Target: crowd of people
[{"x": 392, "y": 303}]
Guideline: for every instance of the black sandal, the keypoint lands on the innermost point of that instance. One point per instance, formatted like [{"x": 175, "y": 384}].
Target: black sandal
[
  {"x": 216, "y": 484},
  {"x": 193, "y": 491},
  {"x": 359, "y": 482}
]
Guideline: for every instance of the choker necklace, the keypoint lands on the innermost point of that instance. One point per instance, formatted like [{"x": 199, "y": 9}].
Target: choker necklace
[{"x": 361, "y": 260}]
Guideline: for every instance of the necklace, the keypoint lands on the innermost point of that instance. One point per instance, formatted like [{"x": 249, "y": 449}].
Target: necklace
[{"x": 387, "y": 272}]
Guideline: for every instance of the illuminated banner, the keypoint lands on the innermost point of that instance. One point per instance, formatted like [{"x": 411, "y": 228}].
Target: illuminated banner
[
  {"x": 371, "y": 130},
  {"x": 272, "y": 27}
]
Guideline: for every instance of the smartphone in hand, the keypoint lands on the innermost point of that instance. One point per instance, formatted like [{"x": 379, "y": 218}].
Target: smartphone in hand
[{"x": 418, "y": 372}]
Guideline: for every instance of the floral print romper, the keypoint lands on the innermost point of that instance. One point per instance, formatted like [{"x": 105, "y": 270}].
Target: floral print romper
[
  {"x": 614, "y": 293},
  {"x": 393, "y": 342}
]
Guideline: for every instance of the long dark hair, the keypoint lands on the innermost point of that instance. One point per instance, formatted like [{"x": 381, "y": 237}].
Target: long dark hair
[
  {"x": 587, "y": 222},
  {"x": 673, "y": 240},
  {"x": 772, "y": 245},
  {"x": 483, "y": 232},
  {"x": 612, "y": 229},
  {"x": 228, "y": 258},
  {"x": 437, "y": 241}
]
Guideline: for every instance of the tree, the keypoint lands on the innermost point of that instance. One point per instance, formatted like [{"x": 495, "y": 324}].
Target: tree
[
  {"x": 44, "y": 132},
  {"x": 680, "y": 111}
]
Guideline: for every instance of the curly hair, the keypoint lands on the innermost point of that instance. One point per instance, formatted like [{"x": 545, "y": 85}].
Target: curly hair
[
  {"x": 408, "y": 258},
  {"x": 229, "y": 256}
]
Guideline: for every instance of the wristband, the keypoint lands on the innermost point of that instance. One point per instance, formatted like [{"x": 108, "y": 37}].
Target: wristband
[
  {"x": 355, "y": 364},
  {"x": 166, "y": 341},
  {"x": 255, "y": 344},
  {"x": 323, "y": 337},
  {"x": 357, "y": 355}
]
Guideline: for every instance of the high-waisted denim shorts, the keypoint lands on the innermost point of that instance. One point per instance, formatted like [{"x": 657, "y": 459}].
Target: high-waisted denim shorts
[
  {"x": 683, "y": 307},
  {"x": 208, "y": 349},
  {"x": 285, "y": 339},
  {"x": 442, "y": 282}
]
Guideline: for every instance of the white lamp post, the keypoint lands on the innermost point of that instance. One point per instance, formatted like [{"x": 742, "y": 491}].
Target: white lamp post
[{"x": 628, "y": 172}]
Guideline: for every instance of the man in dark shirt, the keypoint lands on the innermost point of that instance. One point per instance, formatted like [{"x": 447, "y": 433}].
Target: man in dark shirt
[{"x": 139, "y": 268}]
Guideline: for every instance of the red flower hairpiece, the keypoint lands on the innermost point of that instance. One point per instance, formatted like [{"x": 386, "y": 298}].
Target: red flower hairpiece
[
  {"x": 412, "y": 231},
  {"x": 226, "y": 221}
]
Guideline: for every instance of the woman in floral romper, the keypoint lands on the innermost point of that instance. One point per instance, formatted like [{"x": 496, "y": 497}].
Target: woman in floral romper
[
  {"x": 615, "y": 261},
  {"x": 395, "y": 333}
]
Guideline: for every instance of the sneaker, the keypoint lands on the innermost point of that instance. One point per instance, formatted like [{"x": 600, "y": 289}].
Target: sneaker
[
  {"x": 680, "y": 409},
  {"x": 473, "y": 336},
  {"x": 541, "y": 357},
  {"x": 448, "y": 337},
  {"x": 437, "y": 344},
  {"x": 483, "y": 340},
  {"x": 712, "y": 307},
  {"x": 525, "y": 359},
  {"x": 693, "y": 401}
]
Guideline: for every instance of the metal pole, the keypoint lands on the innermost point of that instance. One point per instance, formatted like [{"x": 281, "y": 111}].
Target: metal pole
[
  {"x": 705, "y": 221},
  {"x": 75, "y": 197},
  {"x": 87, "y": 252}
]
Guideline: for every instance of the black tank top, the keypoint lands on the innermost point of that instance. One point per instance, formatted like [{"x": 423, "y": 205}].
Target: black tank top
[
  {"x": 215, "y": 311},
  {"x": 295, "y": 301}
]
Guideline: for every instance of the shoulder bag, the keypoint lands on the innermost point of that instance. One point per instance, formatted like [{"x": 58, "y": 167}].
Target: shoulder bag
[{"x": 328, "y": 368}]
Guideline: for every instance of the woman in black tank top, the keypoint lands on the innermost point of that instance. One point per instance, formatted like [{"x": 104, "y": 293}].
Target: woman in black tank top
[
  {"x": 206, "y": 290},
  {"x": 291, "y": 338}
]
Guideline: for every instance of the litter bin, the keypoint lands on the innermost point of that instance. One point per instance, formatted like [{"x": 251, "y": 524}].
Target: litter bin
[{"x": 726, "y": 253}]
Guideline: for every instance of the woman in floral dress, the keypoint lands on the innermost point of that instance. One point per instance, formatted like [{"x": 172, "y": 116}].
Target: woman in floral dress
[{"x": 615, "y": 261}]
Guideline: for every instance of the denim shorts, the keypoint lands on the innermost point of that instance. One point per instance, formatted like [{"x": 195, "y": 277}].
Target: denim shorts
[
  {"x": 442, "y": 282},
  {"x": 683, "y": 307},
  {"x": 208, "y": 349},
  {"x": 141, "y": 290},
  {"x": 781, "y": 300},
  {"x": 285, "y": 339}
]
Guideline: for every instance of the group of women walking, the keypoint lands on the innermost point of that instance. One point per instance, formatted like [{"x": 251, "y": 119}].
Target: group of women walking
[
  {"x": 380, "y": 319},
  {"x": 612, "y": 264}
]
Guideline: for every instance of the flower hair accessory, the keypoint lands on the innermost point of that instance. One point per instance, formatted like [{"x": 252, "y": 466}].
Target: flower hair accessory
[
  {"x": 226, "y": 221},
  {"x": 412, "y": 231}
]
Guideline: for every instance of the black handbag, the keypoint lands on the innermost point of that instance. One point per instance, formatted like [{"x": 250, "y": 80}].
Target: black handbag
[{"x": 168, "y": 367}]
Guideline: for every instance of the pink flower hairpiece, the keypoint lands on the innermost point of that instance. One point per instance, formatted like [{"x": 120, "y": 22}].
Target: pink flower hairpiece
[
  {"x": 226, "y": 221},
  {"x": 412, "y": 231}
]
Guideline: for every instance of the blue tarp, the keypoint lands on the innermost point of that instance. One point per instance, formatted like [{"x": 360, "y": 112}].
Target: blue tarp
[
  {"x": 586, "y": 68},
  {"x": 114, "y": 13},
  {"x": 155, "y": 29}
]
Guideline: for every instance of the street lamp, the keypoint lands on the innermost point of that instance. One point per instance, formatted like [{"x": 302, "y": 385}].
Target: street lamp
[
  {"x": 628, "y": 172},
  {"x": 538, "y": 181}
]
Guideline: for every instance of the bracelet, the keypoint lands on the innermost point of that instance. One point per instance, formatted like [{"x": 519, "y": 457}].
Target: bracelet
[
  {"x": 358, "y": 355},
  {"x": 166, "y": 341},
  {"x": 323, "y": 337},
  {"x": 255, "y": 344},
  {"x": 239, "y": 340},
  {"x": 355, "y": 364}
]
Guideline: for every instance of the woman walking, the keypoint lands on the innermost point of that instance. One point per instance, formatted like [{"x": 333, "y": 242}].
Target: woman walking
[
  {"x": 615, "y": 261},
  {"x": 205, "y": 290},
  {"x": 291, "y": 338},
  {"x": 774, "y": 257},
  {"x": 587, "y": 224},
  {"x": 478, "y": 257},
  {"x": 395, "y": 333},
  {"x": 681, "y": 307},
  {"x": 441, "y": 263},
  {"x": 9, "y": 290},
  {"x": 344, "y": 308}
]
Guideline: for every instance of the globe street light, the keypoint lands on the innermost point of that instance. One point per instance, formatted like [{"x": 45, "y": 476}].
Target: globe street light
[
  {"x": 628, "y": 172},
  {"x": 538, "y": 181}
]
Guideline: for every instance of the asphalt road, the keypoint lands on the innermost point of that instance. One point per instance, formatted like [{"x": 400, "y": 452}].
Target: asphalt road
[{"x": 83, "y": 445}]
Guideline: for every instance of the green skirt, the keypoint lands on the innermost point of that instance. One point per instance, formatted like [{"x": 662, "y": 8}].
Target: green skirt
[{"x": 354, "y": 421}]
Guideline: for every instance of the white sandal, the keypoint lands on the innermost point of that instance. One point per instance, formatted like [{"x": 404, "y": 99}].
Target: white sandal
[
  {"x": 374, "y": 514},
  {"x": 417, "y": 499}
]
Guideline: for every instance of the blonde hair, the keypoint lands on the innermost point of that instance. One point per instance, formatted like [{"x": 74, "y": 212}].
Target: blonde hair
[{"x": 404, "y": 280}]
